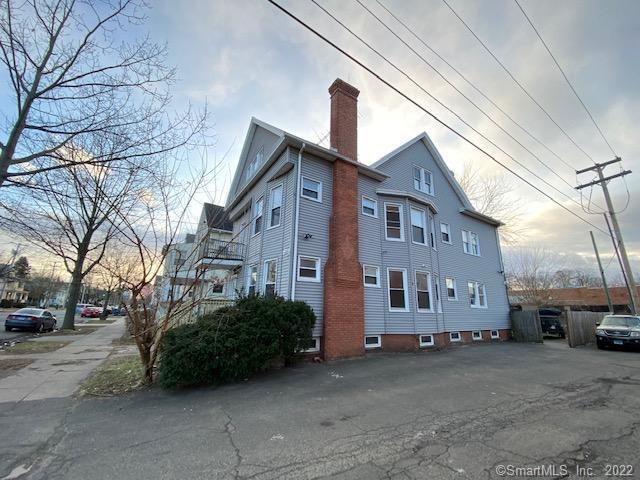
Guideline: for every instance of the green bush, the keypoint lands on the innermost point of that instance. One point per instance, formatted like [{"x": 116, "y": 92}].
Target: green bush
[{"x": 234, "y": 343}]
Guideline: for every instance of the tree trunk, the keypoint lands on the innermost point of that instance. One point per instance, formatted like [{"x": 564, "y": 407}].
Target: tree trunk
[
  {"x": 103, "y": 315},
  {"x": 72, "y": 300}
]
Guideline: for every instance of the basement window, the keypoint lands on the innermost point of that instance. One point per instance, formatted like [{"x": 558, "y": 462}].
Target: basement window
[
  {"x": 495, "y": 334},
  {"x": 455, "y": 336},
  {"x": 372, "y": 341},
  {"x": 426, "y": 340},
  {"x": 477, "y": 335},
  {"x": 314, "y": 345}
]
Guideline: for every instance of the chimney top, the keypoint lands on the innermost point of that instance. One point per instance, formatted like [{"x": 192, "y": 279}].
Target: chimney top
[{"x": 344, "y": 87}]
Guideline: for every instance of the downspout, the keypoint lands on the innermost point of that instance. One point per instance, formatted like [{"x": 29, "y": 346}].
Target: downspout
[{"x": 294, "y": 273}]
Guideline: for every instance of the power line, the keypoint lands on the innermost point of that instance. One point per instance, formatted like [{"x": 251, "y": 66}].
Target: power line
[
  {"x": 586, "y": 109},
  {"x": 408, "y": 77},
  {"x": 463, "y": 94},
  {"x": 429, "y": 113},
  {"x": 508, "y": 72}
]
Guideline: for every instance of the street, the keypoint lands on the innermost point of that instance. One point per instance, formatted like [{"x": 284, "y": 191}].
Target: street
[
  {"x": 461, "y": 413},
  {"x": 15, "y": 334}
]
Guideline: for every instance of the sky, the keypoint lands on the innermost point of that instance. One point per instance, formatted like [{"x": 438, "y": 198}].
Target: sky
[{"x": 245, "y": 58}]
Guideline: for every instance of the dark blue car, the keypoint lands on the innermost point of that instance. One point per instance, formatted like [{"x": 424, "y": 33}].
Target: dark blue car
[{"x": 36, "y": 319}]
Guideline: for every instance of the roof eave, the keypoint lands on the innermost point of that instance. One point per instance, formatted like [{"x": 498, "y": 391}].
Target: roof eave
[{"x": 480, "y": 216}]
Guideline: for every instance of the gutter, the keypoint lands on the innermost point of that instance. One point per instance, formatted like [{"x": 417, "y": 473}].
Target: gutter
[{"x": 296, "y": 222}]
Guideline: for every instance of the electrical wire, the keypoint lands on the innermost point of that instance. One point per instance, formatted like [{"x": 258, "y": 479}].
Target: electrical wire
[
  {"x": 467, "y": 124},
  {"x": 586, "y": 109},
  {"x": 426, "y": 111},
  {"x": 517, "y": 82}
]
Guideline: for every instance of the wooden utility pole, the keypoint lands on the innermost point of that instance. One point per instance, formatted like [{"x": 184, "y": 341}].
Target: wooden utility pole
[
  {"x": 604, "y": 279},
  {"x": 634, "y": 303}
]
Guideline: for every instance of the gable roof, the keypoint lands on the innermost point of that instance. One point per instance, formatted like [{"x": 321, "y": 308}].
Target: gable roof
[
  {"x": 468, "y": 208},
  {"x": 217, "y": 218}
]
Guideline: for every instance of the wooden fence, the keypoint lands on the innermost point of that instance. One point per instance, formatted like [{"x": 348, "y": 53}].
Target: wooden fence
[
  {"x": 526, "y": 326},
  {"x": 581, "y": 327}
]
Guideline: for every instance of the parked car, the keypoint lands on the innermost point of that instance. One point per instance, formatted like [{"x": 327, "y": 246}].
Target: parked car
[
  {"x": 36, "y": 319},
  {"x": 618, "y": 330},
  {"x": 81, "y": 306},
  {"x": 550, "y": 321},
  {"x": 91, "y": 312}
]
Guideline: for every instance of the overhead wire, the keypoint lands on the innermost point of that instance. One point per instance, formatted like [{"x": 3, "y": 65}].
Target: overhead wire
[{"x": 427, "y": 111}]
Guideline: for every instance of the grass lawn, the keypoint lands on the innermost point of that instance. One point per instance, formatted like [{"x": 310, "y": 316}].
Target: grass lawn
[
  {"x": 9, "y": 366},
  {"x": 116, "y": 376},
  {"x": 77, "y": 331},
  {"x": 35, "y": 347},
  {"x": 96, "y": 321}
]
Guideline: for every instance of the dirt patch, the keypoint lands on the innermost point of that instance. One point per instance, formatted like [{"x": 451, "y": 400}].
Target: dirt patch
[
  {"x": 116, "y": 376},
  {"x": 9, "y": 366},
  {"x": 77, "y": 331},
  {"x": 34, "y": 347},
  {"x": 100, "y": 322},
  {"x": 124, "y": 340}
]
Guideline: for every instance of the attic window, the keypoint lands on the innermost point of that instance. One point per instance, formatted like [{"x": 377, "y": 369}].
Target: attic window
[
  {"x": 255, "y": 163},
  {"x": 422, "y": 180}
]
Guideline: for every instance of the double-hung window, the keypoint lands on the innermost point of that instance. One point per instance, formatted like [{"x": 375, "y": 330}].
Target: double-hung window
[
  {"x": 311, "y": 189},
  {"x": 477, "y": 295},
  {"x": 417, "y": 226},
  {"x": 445, "y": 232},
  {"x": 369, "y": 207},
  {"x": 371, "y": 275},
  {"x": 257, "y": 216},
  {"x": 422, "y": 180},
  {"x": 252, "y": 280},
  {"x": 394, "y": 225},
  {"x": 309, "y": 269},
  {"x": 432, "y": 232},
  {"x": 270, "y": 275},
  {"x": 276, "y": 206},
  {"x": 470, "y": 243},
  {"x": 397, "y": 281},
  {"x": 452, "y": 289},
  {"x": 423, "y": 291}
]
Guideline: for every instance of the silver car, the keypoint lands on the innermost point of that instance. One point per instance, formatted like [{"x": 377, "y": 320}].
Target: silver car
[{"x": 619, "y": 330}]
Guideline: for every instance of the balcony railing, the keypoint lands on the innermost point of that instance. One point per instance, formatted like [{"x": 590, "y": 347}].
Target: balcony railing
[{"x": 216, "y": 249}]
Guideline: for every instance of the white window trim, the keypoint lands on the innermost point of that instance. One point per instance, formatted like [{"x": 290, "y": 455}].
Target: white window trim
[
  {"x": 319, "y": 199},
  {"x": 375, "y": 345},
  {"x": 436, "y": 289},
  {"x": 455, "y": 289},
  {"x": 406, "y": 290},
  {"x": 423, "y": 172},
  {"x": 474, "y": 337},
  {"x": 450, "y": 242},
  {"x": 375, "y": 208},
  {"x": 265, "y": 273},
  {"x": 271, "y": 205},
  {"x": 459, "y": 339},
  {"x": 368, "y": 285},
  {"x": 249, "y": 277},
  {"x": 255, "y": 218},
  {"x": 426, "y": 344},
  {"x": 497, "y": 334},
  {"x": 315, "y": 279},
  {"x": 401, "y": 213},
  {"x": 315, "y": 348},
  {"x": 469, "y": 232},
  {"x": 477, "y": 295},
  {"x": 425, "y": 231},
  {"x": 430, "y": 285}
]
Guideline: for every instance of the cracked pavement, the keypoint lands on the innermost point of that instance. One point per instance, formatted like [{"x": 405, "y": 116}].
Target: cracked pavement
[{"x": 452, "y": 414}]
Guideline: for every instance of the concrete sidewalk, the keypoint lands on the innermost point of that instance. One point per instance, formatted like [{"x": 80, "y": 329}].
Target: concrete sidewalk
[{"x": 57, "y": 374}]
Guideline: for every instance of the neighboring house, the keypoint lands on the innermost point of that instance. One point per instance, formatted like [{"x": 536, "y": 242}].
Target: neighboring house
[
  {"x": 390, "y": 256},
  {"x": 12, "y": 291},
  {"x": 580, "y": 298},
  {"x": 186, "y": 274}
]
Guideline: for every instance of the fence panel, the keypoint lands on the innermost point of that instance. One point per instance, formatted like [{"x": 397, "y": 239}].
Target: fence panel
[
  {"x": 581, "y": 327},
  {"x": 526, "y": 326}
]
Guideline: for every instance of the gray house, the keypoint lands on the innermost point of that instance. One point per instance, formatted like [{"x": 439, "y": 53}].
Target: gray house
[{"x": 390, "y": 256}]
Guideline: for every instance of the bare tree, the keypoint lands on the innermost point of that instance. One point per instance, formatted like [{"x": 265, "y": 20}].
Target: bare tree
[
  {"x": 70, "y": 74},
  {"x": 74, "y": 212},
  {"x": 494, "y": 196},
  {"x": 572, "y": 278},
  {"x": 530, "y": 274}
]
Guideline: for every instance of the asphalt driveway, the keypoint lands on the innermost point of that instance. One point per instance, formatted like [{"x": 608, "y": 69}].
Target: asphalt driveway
[{"x": 455, "y": 414}]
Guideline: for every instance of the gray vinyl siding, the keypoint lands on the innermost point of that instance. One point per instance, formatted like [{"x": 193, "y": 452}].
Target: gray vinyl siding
[
  {"x": 450, "y": 260},
  {"x": 271, "y": 243},
  {"x": 314, "y": 221},
  {"x": 262, "y": 139}
]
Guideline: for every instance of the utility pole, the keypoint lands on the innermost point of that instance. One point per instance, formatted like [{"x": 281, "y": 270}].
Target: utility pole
[
  {"x": 602, "y": 181},
  {"x": 604, "y": 279}
]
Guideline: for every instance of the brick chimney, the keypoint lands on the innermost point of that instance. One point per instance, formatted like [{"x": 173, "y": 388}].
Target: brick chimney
[{"x": 343, "y": 287}]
